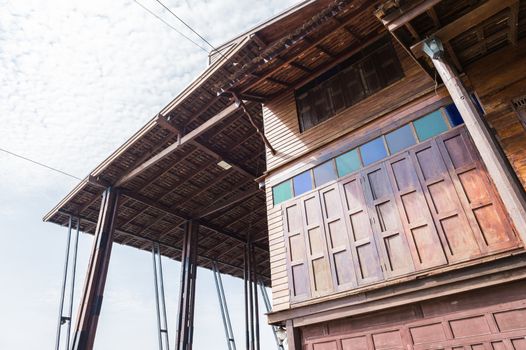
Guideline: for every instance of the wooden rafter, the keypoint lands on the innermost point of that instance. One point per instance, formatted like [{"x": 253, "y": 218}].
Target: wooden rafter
[
  {"x": 227, "y": 203},
  {"x": 400, "y": 18},
  {"x": 469, "y": 20},
  {"x": 182, "y": 140}
]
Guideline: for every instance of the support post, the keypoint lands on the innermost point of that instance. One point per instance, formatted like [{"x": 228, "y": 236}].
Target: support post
[
  {"x": 225, "y": 315},
  {"x": 293, "y": 336},
  {"x": 91, "y": 300},
  {"x": 510, "y": 193},
  {"x": 158, "y": 283},
  {"x": 61, "y": 318},
  {"x": 185, "y": 317},
  {"x": 268, "y": 307}
]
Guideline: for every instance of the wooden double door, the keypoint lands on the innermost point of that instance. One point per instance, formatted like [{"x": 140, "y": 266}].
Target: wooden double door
[{"x": 426, "y": 207}]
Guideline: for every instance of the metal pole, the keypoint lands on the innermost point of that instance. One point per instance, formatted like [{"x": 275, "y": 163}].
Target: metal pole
[
  {"x": 72, "y": 285},
  {"x": 256, "y": 302},
  {"x": 266, "y": 301},
  {"x": 222, "y": 306},
  {"x": 226, "y": 310},
  {"x": 163, "y": 300},
  {"x": 64, "y": 281},
  {"x": 245, "y": 278},
  {"x": 156, "y": 289}
]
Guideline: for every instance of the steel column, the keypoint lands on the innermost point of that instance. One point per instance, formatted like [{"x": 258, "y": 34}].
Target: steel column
[
  {"x": 66, "y": 319},
  {"x": 251, "y": 299},
  {"x": 185, "y": 317},
  {"x": 229, "y": 334},
  {"x": 158, "y": 283},
  {"x": 91, "y": 301}
]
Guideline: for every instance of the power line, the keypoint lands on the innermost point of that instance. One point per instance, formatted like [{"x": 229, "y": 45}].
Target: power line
[
  {"x": 187, "y": 25},
  {"x": 40, "y": 164},
  {"x": 192, "y": 29},
  {"x": 169, "y": 25}
]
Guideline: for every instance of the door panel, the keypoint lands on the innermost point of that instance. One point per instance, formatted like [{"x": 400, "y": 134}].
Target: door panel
[
  {"x": 422, "y": 235},
  {"x": 389, "y": 234},
  {"x": 478, "y": 196},
  {"x": 451, "y": 222},
  {"x": 366, "y": 260},
  {"x": 297, "y": 260},
  {"x": 317, "y": 255},
  {"x": 339, "y": 248}
]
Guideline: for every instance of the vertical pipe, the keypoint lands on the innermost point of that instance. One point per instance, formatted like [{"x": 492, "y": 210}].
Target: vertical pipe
[
  {"x": 229, "y": 324},
  {"x": 220, "y": 298},
  {"x": 64, "y": 281},
  {"x": 163, "y": 300},
  {"x": 256, "y": 302},
  {"x": 72, "y": 283},
  {"x": 251, "y": 296},
  {"x": 245, "y": 280},
  {"x": 156, "y": 289}
]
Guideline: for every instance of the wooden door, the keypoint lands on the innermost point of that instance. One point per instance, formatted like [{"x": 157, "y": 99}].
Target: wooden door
[
  {"x": 457, "y": 237},
  {"x": 343, "y": 274},
  {"x": 385, "y": 220},
  {"x": 297, "y": 264},
  {"x": 415, "y": 215},
  {"x": 365, "y": 257},
  {"x": 477, "y": 193},
  {"x": 317, "y": 254}
]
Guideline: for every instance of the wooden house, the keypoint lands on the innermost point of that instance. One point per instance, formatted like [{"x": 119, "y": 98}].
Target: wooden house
[{"x": 389, "y": 138}]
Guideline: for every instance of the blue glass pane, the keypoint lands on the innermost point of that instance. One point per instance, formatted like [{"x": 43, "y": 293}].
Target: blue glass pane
[
  {"x": 348, "y": 162},
  {"x": 282, "y": 192},
  {"x": 373, "y": 150},
  {"x": 454, "y": 115},
  {"x": 430, "y": 125},
  {"x": 400, "y": 139},
  {"x": 302, "y": 183},
  {"x": 324, "y": 173}
]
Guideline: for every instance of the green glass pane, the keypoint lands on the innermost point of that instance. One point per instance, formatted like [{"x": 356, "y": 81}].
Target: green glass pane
[
  {"x": 282, "y": 192},
  {"x": 348, "y": 163},
  {"x": 400, "y": 139},
  {"x": 430, "y": 125}
]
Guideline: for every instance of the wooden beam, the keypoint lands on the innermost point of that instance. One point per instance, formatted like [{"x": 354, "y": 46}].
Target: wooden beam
[
  {"x": 469, "y": 20},
  {"x": 399, "y": 19},
  {"x": 227, "y": 202},
  {"x": 514, "y": 23},
  {"x": 301, "y": 67},
  {"x": 184, "y": 139},
  {"x": 433, "y": 15}
]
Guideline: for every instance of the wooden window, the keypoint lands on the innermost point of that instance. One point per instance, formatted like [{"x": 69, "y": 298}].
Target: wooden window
[
  {"x": 400, "y": 139},
  {"x": 430, "y": 125},
  {"x": 302, "y": 183},
  {"x": 348, "y": 83},
  {"x": 373, "y": 150},
  {"x": 282, "y": 192},
  {"x": 324, "y": 173},
  {"x": 453, "y": 115},
  {"x": 348, "y": 162}
]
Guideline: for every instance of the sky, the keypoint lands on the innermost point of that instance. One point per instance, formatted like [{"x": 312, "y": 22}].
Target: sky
[{"x": 77, "y": 79}]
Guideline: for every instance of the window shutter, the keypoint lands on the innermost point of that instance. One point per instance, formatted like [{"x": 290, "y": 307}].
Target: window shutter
[
  {"x": 322, "y": 108},
  {"x": 387, "y": 65},
  {"x": 336, "y": 94},
  {"x": 305, "y": 111},
  {"x": 370, "y": 76},
  {"x": 353, "y": 86}
]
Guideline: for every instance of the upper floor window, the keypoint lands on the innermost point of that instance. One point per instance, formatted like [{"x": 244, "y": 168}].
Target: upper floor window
[{"x": 363, "y": 74}]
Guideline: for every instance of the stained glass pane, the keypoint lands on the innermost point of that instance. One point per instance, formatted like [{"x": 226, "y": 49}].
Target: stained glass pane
[
  {"x": 454, "y": 115},
  {"x": 400, "y": 139},
  {"x": 324, "y": 173},
  {"x": 282, "y": 192},
  {"x": 373, "y": 150},
  {"x": 430, "y": 125},
  {"x": 348, "y": 162},
  {"x": 302, "y": 183}
]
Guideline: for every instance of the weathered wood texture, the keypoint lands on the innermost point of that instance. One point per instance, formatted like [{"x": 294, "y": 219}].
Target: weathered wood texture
[
  {"x": 497, "y": 79},
  {"x": 491, "y": 318},
  {"x": 281, "y": 119}
]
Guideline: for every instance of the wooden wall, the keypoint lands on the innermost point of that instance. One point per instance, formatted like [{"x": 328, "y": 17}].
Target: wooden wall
[
  {"x": 281, "y": 119},
  {"x": 497, "y": 79},
  {"x": 282, "y": 129}
]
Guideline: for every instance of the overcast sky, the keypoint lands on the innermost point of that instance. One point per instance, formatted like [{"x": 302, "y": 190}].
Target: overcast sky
[{"x": 77, "y": 78}]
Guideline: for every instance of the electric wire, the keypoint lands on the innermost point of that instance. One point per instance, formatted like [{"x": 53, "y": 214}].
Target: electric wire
[
  {"x": 170, "y": 26},
  {"x": 40, "y": 164},
  {"x": 192, "y": 29}
]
